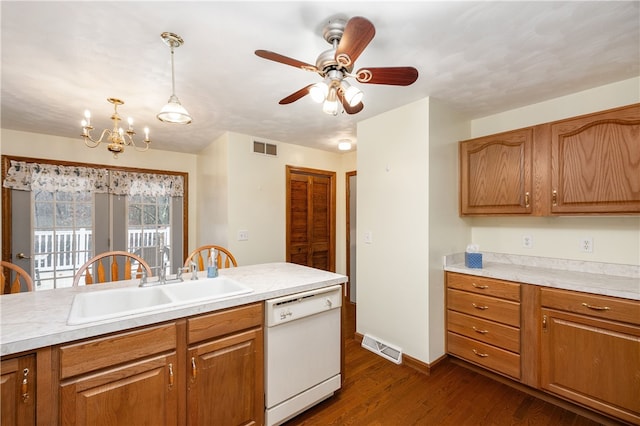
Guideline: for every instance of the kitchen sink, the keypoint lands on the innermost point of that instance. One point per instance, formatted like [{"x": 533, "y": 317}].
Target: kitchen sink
[
  {"x": 106, "y": 304},
  {"x": 101, "y": 305},
  {"x": 205, "y": 289}
]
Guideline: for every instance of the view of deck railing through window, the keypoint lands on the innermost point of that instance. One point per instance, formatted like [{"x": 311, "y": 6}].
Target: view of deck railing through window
[{"x": 58, "y": 254}]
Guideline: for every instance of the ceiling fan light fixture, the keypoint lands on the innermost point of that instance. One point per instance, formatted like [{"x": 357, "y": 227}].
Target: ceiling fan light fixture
[
  {"x": 319, "y": 92},
  {"x": 174, "y": 112},
  {"x": 352, "y": 94},
  {"x": 330, "y": 105}
]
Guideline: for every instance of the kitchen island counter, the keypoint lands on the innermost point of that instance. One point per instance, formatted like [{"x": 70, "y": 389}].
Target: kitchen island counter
[{"x": 38, "y": 319}]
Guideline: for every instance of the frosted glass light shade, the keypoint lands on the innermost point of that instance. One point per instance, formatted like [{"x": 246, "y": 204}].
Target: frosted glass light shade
[
  {"x": 319, "y": 91},
  {"x": 174, "y": 112}
]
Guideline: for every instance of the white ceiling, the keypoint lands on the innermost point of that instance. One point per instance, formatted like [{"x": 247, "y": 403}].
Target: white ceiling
[{"x": 60, "y": 58}]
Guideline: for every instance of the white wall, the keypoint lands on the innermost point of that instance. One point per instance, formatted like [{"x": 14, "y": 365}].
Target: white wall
[
  {"x": 615, "y": 239},
  {"x": 408, "y": 199},
  {"x": 448, "y": 233},
  {"x": 36, "y": 145},
  {"x": 255, "y": 199}
]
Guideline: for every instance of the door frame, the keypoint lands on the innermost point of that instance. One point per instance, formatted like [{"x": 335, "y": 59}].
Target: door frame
[
  {"x": 290, "y": 170},
  {"x": 347, "y": 191}
]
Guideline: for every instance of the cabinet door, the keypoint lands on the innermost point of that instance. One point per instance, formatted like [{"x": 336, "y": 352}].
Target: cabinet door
[
  {"x": 137, "y": 393},
  {"x": 593, "y": 362},
  {"x": 225, "y": 383},
  {"x": 595, "y": 163},
  {"x": 18, "y": 391},
  {"x": 496, "y": 174}
]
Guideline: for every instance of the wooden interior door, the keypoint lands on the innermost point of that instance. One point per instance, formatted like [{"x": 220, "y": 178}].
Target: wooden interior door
[{"x": 311, "y": 213}]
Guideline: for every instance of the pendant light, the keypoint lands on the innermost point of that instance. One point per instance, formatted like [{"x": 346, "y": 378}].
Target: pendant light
[{"x": 173, "y": 111}]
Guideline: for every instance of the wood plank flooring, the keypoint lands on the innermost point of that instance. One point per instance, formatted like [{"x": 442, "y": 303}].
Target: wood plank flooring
[{"x": 377, "y": 392}]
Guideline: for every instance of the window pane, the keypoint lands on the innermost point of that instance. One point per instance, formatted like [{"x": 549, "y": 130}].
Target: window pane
[{"x": 149, "y": 217}]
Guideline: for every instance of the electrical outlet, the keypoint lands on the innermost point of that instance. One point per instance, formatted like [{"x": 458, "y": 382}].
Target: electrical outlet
[
  {"x": 368, "y": 237},
  {"x": 243, "y": 235},
  {"x": 527, "y": 241},
  {"x": 586, "y": 245}
]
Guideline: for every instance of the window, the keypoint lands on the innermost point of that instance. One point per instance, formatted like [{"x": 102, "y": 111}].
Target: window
[{"x": 76, "y": 212}]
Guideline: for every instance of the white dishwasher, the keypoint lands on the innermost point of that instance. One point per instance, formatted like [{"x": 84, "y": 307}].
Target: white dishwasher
[{"x": 302, "y": 351}]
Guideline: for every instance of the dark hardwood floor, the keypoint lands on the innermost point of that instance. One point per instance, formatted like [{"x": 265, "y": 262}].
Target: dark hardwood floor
[{"x": 378, "y": 392}]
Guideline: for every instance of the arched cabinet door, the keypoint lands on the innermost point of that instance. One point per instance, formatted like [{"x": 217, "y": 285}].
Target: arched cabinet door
[
  {"x": 595, "y": 163},
  {"x": 496, "y": 174}
]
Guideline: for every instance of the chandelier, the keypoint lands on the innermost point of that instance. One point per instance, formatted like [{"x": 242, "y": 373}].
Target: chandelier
[
  {"x": 117, "y": 138},
  {"x": 173, "y": 111}
]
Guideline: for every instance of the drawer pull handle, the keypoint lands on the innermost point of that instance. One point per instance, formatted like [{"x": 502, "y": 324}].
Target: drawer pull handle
[
  {"x": 480, "y": 331},
  {"x": 554, "y": 198},
  {"x": 526, "y": 199},
  {"x": 596, "y": 308},
  {"x": 194, "y": 369},
  {"x": 480, "y": 287},
  {"x": 481, "y": 307},
  {"x": 480, "y": 354}
]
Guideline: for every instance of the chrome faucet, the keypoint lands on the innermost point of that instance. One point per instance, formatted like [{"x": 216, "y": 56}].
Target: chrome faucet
[{"x": 162, "y": 274}]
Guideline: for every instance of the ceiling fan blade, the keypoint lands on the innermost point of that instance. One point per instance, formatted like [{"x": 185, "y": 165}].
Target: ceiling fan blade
[
  {"x": 272, "y": 56},
  {"x": 348, "y": 108},
  {"x": 296, "y": 95},
  {"x": 396, "y": 76},
  {"x": 357, "y": 34}
]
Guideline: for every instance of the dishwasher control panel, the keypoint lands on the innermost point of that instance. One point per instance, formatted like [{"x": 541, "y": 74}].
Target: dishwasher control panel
[{"x": 300, "y": 305}]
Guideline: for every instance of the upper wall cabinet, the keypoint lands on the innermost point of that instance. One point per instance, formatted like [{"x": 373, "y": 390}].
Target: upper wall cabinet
[
  {"x": 583, "y": 165},
  {"x": 495, "y": 174},
  {"x": 595, "y": 163}
]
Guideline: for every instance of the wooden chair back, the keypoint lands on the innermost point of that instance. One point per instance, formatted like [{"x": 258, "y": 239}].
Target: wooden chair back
[
  {"x": 94, "y": 270},
  {"x": 200, "y": 255},
  {"x": 21, "y": 281}
]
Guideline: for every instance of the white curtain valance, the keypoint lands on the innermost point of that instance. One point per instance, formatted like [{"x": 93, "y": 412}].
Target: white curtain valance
[{"x": 25, "y": 176}]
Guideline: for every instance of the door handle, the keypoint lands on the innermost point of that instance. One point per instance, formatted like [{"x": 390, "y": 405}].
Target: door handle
[{"x": 22, "y": 256}]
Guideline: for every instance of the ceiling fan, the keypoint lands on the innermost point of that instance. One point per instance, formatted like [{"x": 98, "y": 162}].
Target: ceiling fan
[{"x": 348, "y": 40}]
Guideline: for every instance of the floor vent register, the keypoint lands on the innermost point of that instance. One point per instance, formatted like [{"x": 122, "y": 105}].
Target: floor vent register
[{"x": 383, "y": 349}]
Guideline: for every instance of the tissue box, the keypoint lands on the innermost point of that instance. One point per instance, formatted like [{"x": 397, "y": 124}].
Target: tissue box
[{"x": 473, "y": 260}]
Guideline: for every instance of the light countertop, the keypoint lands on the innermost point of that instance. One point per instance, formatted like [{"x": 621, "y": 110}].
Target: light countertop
[
  {"x": 39, "y": 318},
  {"x": 606, "y": 279}
]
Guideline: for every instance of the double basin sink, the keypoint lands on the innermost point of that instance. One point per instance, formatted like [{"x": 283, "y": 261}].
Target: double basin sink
[{"x": 101, "y": 305}]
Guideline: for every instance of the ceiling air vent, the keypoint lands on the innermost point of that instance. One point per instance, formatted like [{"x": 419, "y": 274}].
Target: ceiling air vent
[{"x": 265, "y": 148}]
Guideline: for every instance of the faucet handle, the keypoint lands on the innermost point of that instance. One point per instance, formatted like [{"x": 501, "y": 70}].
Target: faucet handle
[
  {"x": 180, "y": 271},
  {"x": 194, "y": 270},
  {"x": 143, "y": 277}
]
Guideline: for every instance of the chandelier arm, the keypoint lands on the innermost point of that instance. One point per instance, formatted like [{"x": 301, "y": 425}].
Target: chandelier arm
[{"x": 87, "y": 137}]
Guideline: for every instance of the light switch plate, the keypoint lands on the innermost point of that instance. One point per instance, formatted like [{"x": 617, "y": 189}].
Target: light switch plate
[{"x": 243, "y": 235}]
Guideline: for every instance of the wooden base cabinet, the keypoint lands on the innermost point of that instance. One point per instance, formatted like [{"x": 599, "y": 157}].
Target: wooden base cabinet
[
  {"x": 129, "y": 378},
  {"x": 483, "y": 322},
  {"x": 590, "y": 351},
  {"x": 202, "y": 370},
  {"x": 226, "y": 368},
  {"x": 17, "y": 388}
]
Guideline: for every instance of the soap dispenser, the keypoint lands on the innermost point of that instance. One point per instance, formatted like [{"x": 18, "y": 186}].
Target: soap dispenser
[{"x": 212, "y": 265}]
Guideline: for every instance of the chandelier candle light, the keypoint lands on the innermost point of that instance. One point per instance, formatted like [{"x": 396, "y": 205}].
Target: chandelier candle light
[{"x": 117, "y": 138}]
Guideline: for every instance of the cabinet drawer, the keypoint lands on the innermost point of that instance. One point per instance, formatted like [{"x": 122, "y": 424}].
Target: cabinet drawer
[
  {"x": 485, "y": 355},
  {"x": 108, "y": 351},
  {"x": 490, "y": 332},
  {"x": 606, "y": 307},
  {"x": 491, "y": 308},
  {"x": 486, "y": 286},
  {"x": 224, "y": 322}
]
